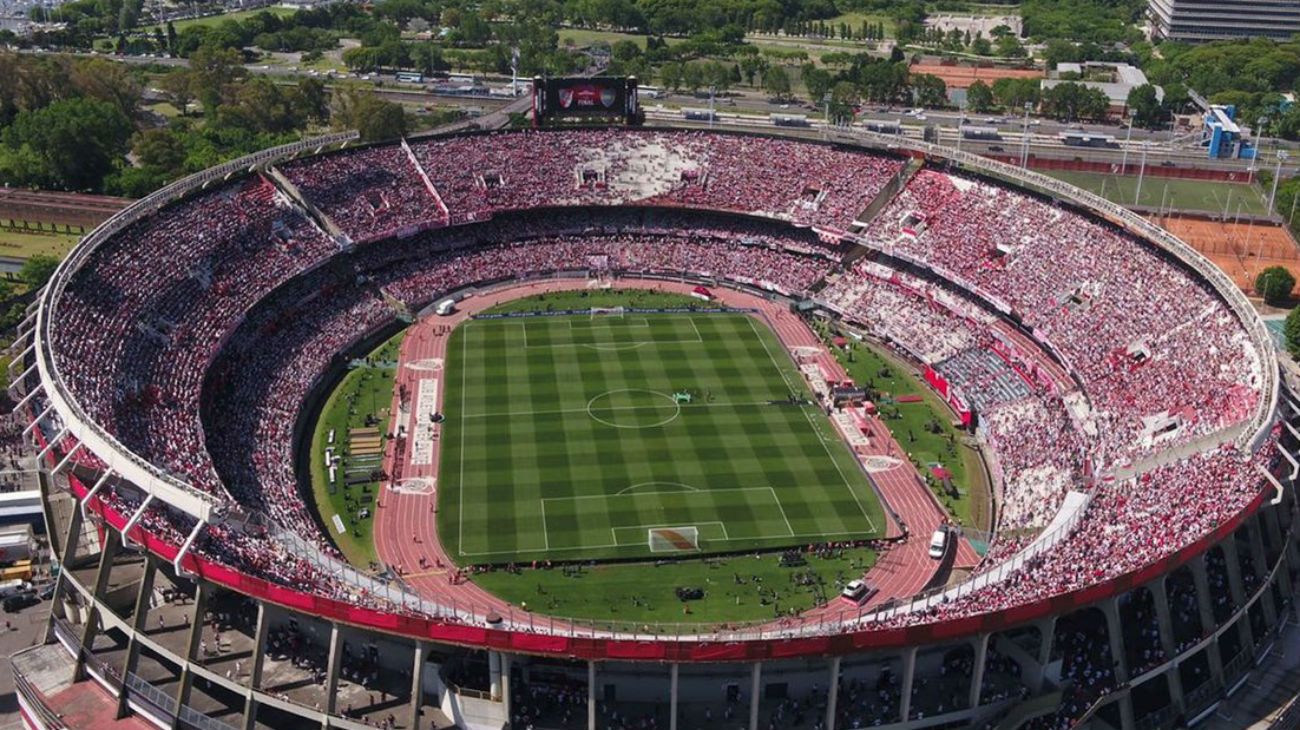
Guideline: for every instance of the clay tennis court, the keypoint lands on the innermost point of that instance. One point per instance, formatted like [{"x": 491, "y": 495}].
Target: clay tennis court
[
  {"x": 960, "y": 77},
  {"x": 1242, "y": 249}
]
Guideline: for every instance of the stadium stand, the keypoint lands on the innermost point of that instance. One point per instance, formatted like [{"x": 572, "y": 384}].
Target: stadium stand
[{"x": 194, "y": 335}]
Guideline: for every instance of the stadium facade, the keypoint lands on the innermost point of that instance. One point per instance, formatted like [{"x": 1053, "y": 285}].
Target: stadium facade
[
  {"x": 168, "y": 602},
  {"x": 1207, "y": 20}
]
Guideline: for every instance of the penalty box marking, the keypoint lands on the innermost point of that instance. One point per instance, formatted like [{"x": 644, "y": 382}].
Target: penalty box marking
[
  {"x": 641, "y": 529},
  {"x": 613, "y": 529}
]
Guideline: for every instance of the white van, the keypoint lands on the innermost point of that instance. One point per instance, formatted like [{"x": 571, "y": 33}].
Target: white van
[
  {"x": 938, "y": 543},
  {"x": 445, "y": 307},
  {"x": 13, "y": 587},
  {"x": 858, "y": 592}
]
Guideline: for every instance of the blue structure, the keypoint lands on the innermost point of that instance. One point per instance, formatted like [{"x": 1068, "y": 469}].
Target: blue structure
[{"x": 1222, "y": 135}]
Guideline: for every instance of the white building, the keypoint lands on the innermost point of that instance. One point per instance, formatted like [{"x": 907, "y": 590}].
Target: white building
[{"x": 1211, "y": 20}]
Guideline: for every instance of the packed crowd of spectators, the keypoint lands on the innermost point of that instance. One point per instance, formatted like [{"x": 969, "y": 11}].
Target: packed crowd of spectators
[
  {"x": 812, "y": 184},
  {"x": 133, "y": 344},
  {"x": 154, "y": 312},
  {"x": 1143, "y": 335},
  {"x": 263, "y": 379},
  {"x": 904, "y": 310},
  {"x": 1039, "y": 455},
  {"x": 1118, "y": 533},
  {"x": 370, "y": 194}
]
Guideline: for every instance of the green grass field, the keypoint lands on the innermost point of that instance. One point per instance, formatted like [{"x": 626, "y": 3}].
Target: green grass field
[
  {"x": 239, "y": 16},
  {"x": 563, "y": 440},
  {"x": 736, "y": 587},
  {"x": 26, "y": 245},
  {"x": 1203, "y": 195},
  {"x": 588, "y": 298},
  {"x": 366, "y": 391},
  {"x": 909, "y": 422}
]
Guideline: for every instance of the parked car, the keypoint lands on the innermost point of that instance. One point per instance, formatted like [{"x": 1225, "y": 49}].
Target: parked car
[
  {"x": 858, "y": 591},
  {"x": 13, "y": 604},
  {"x": 939, "y": 544}
]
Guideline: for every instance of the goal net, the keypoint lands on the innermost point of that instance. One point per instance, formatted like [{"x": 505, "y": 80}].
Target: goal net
[
  {"x": 607, "y": 312},
  {"x": 674, "y": 539}
]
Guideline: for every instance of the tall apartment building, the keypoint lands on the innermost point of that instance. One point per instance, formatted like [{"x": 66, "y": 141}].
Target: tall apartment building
[{"x": 1211, "y": 20}]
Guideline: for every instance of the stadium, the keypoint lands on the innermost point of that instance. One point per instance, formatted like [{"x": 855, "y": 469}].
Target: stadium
[{"x": 1124, "y": 395}]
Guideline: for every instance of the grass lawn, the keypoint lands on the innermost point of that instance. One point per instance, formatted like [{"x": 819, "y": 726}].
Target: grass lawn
[
  {"x": 607, "y": 298},
  {"x": 164, "y": 108},
  {"x": 365, "y": 392},
  {"x": 218, "y": 19},
  {"x": 854, "y": 19},
  {"x": 25, "y": 245},
  {"x": 1202, "y": 195},
  {"x": 564, "y": 440},
  {"x": 736, "y": 588},
  {"x": 868, "y": 366},
  {"x": 586, "y": 37}
]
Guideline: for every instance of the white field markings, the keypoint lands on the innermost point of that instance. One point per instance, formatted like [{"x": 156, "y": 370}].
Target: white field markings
[
  {"x": 460, "y": 537},
  {"x": 559, "y": 411},
  {"x": 647, "y": 406},
  {"x": 612, "y": 346},
  {"x": 607, "y": 497},
  {"x": 641, "y": 529},
  {"x": 847, "y": 484},
  {"x": 616, "y": 543},
  {"x": 576, "y": 325},
  {"x": 546, "y": 531}
]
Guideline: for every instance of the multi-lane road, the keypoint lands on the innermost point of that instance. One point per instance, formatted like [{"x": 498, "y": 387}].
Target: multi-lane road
[{"x": 752, "y": 107}]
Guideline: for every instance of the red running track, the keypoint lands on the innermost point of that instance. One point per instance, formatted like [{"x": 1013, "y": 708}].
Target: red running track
[{"x": 406, "y": 532}]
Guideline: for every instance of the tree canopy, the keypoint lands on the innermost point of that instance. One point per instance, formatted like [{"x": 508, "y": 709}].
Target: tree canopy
[
  {"x": 1274, "y": 284},
  {"x": 71, "y": 145},
  {"x": 37, "y": 270},
  {"x": 1291, "y": 331}
]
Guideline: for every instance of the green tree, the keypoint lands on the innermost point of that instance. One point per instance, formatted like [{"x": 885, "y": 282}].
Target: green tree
[
  {"x": 818, "y": 81},
  {"x": 375, "y": 118},
  {"x": 752, "y": 66},
  {"x": 313, "y": 100},
  {"x": 68, "y": 145},
  {"x": 979, "y": 97},
  {"x": 161, "y": 148},
  {"x": 777, "y": 82},
  {"x": 1291, "y": 331},
  {"x": 213, "y": 72},
  {"x": 177, "y": 86},
  {"x": 673, "y": 75},
  {"x": 1274, "y": 284},
  {"x": 929, "y": 90},
  {"x": 844, "y": 100},
  {"x": 1144, "y": 107},
  {"x": 37, "y": 270}
]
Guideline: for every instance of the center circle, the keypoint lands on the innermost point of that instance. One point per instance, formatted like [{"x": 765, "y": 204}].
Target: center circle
[{"x": 633, "y": 408}]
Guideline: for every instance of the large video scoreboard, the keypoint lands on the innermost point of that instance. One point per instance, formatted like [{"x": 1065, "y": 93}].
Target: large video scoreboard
[{"x": 584, "y": 97}]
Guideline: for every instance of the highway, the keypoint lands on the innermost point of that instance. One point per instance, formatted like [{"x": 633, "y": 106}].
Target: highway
[
  {"x": 750, "y": 107},
  {"x": 1042, "y": 143}
]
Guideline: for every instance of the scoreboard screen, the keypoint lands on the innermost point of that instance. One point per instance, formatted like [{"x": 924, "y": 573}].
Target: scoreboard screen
[{"x": 597, "y": 96}]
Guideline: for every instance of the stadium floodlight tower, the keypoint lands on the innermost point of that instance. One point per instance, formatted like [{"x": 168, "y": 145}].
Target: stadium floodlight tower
[
  {"x": 1024, "y": 140},
  {"x": 1281, "y": 157}
]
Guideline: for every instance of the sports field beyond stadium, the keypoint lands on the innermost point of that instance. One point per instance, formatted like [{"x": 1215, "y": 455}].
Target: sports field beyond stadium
[{"x": 568, "y": 437}]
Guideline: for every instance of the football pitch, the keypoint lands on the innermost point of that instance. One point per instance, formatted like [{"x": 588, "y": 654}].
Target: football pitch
[{"x": 573, "y": 437}]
